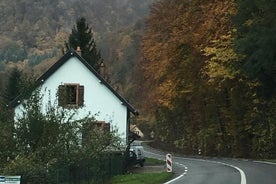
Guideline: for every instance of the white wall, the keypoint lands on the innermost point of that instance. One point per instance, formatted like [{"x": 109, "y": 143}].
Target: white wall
[{"x": 98, "y": 99}]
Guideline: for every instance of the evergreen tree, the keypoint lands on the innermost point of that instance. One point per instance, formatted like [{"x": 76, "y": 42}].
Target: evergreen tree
[
  {"x": 256, "y": 26},
  {"x": 7, "y": 143},
  {"x": 82, "y": 36},
  {"x": 13, "y": 85}
]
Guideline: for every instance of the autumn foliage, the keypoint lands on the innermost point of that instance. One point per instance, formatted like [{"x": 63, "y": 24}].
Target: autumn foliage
[{"x": 195, "y": 63}]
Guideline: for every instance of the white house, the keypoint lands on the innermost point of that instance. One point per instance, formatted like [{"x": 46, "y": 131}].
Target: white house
[{"x": 75, "y": 84}]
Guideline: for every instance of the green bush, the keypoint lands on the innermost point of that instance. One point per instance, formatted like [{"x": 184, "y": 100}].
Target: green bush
[
  {"x": 29, "y": 168},
  {"x": 49, "y": 147}
]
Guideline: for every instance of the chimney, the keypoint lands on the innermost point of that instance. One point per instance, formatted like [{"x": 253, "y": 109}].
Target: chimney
[{"x": 78, "y": 50}]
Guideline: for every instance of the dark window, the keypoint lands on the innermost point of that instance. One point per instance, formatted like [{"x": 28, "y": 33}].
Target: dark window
[
  {"x": 70, "y": 95},
  {"x": 102, "y": 126},
  {"x": 100, "y": 129},
  {"x": 104, "y": 129}
]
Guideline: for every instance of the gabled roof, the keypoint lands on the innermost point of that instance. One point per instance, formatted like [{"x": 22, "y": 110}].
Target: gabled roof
[{"x": 64, "y": 59}]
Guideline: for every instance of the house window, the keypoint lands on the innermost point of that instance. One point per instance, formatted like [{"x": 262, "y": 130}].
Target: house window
[
  {"x": 99, "y": 129},
  {"x": 104, "y": 129},
  {"x": 70, "y": 95},
  {"x": 102, "y": 126}
]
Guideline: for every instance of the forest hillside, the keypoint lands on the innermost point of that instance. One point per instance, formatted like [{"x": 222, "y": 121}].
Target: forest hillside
[
  {"x": 33, "y": 32},
  {"x": 210, "y": 76}
]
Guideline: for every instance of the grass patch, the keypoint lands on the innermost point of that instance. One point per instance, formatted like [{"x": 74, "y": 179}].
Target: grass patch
[
  {"x": 153, "y": 161},
  {"x": 145, "y": 178}
]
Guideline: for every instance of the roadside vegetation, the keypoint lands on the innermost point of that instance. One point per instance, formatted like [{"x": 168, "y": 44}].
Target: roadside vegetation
[
  {"x": 144, "y": 178},
  {"x": 153, "y": 161},
  {"x": 210, "y": 76}
]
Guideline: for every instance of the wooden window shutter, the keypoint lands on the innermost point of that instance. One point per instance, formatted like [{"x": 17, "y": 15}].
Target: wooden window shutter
[
  {"x": 80, "y": 95},
  {"x": 61, "y": 95}
]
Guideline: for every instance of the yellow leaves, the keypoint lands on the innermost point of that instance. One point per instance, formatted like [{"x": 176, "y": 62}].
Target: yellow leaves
[
  {"x": 208, "y": 51},
  {"x": 216, "y": 70},
  {"x": 222, "y": 59},
  {"x": 248, "y": 22},
  {"x": 166, "y": 92}
]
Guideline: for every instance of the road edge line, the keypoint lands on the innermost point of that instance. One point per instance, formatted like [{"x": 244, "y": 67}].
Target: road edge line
[
  {"x": 178, "y": 177},
  {"x": 242, "y": 174},
  {"x": 243, "y": 177}
]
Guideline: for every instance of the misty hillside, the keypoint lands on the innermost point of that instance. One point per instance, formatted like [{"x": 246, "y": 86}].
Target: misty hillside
[
  {"x": 18, "y": 16},
  {"x": 34, "y": 31}
]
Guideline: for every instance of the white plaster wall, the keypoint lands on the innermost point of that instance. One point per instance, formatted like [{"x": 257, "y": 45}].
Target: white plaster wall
[{"x": 98, "y": 99}]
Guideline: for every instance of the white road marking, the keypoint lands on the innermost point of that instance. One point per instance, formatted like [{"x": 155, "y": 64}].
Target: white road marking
[
  {"x": 185, "y": 167},
  {"x": 184, "y": 173},
  {"x": 243, "y": 176}
]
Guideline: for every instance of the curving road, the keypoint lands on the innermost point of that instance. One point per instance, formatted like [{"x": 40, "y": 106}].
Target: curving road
[{"x": 217, "y": 171}]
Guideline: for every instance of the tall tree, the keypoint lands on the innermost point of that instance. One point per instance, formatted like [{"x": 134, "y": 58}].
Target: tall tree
[
  {"x": 174, "y": 42},
  {"x": 256, "y": 40},
  {"x": 82, "y": 36},
  {"x": 196, "y": 84},
  {"x": 7, "y": 143},
  {"x": 13, "y": 85},
  {"x": 197, "y": 64}
]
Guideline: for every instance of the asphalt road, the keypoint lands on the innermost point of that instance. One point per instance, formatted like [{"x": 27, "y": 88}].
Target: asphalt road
[{"x": 189, "y": 170}]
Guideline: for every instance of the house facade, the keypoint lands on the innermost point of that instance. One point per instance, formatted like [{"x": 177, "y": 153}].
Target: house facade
[{"x": 72, "y": 83}]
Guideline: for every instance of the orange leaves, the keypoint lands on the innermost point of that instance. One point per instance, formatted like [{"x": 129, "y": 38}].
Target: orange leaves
[{"x": 177, "y": 32}]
